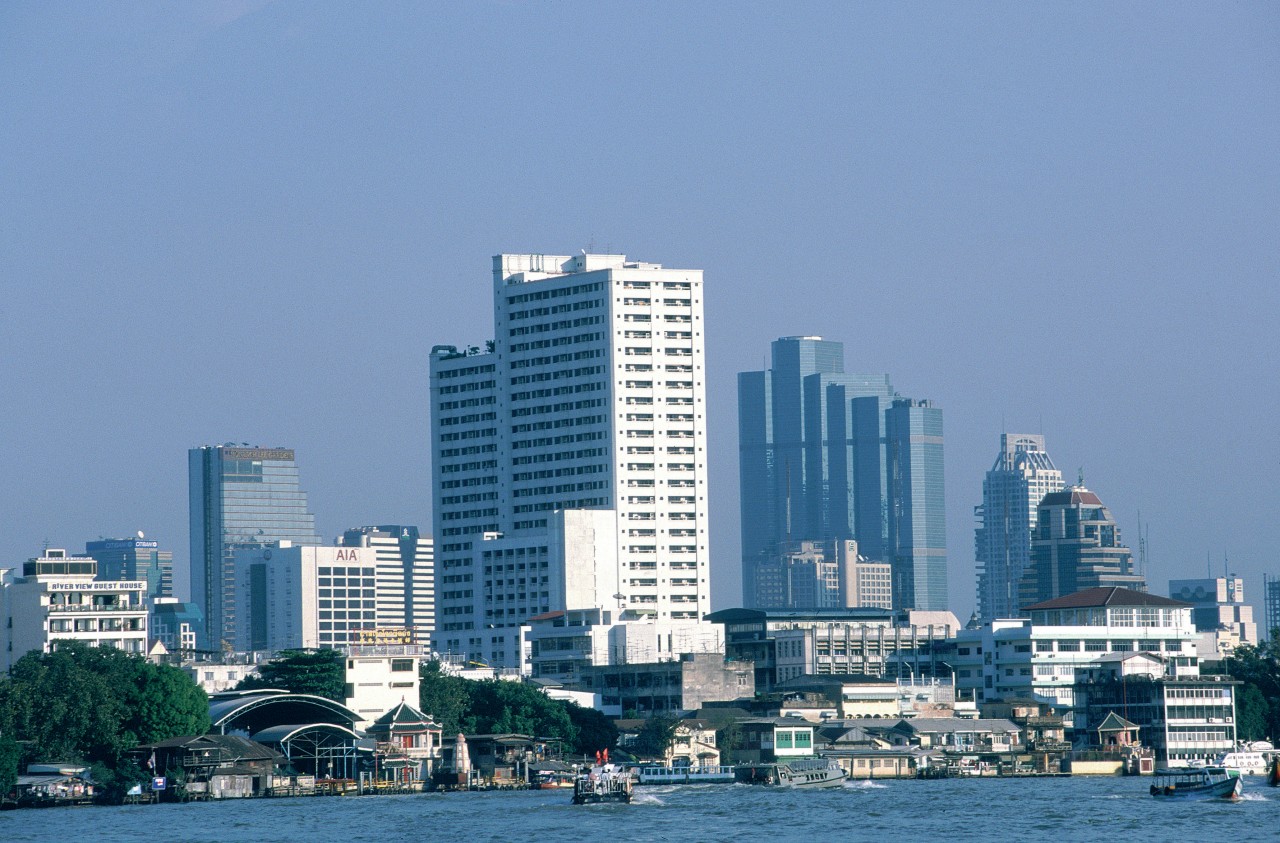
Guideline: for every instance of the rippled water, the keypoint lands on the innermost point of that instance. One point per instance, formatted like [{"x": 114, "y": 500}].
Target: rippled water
[{"x": 958, "y": 809}]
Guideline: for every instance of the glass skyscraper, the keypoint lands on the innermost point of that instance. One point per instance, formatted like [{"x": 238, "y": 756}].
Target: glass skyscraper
[
  {"x": 134, "y": 559},
  {"x": 241, "y": 497},
  {"x": 1021, "y": 476},
  {"x": 814, "y": 462},
  {"x": 917, "y": 505}
]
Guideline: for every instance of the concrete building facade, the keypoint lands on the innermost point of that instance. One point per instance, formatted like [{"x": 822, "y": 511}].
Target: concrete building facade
[
  {"x": 57, "y": 598},
  {"x": 289, "y": 597},
  {"x": 405, "y": 592},
  {"x": 569, "y": 458},
  {"x": 1044, "y": 656},
  {"x": 1218, "y": 608}
]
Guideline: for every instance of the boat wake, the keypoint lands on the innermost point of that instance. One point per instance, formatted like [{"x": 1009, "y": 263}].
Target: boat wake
[
  {"x": 864, "y": 784},
  {"x": 646, "y": 799}
]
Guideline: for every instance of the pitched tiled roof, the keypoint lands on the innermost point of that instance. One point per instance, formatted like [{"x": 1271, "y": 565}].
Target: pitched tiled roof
[{"x": 1092, "y": 598}]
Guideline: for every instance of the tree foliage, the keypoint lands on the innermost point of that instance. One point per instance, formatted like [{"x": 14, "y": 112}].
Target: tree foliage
[
  {"x": 494, "y": 706},
  {"x": 445, "y": 698},
  {"x": 320, "y": 672},
  {"x": 656, "y": 736},
  {"x": 91, "y": 704},
  {"x": 10, "y": 756},
  {"x": 498, "y": 706},
  {"x": 595, "y": 730},
  {"x": 1258, "y": 697}
]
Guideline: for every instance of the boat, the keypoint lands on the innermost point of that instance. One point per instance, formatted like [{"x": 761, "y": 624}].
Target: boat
[
  {"x": 807, "y": 773},
  {"x": 602, "y": 783},
  {"x": 1197, "y": 783},
  {"x": 1274, "y": 780},
  {"x": 646, "y": 775},
  {"x": 1243, "y": 762}
]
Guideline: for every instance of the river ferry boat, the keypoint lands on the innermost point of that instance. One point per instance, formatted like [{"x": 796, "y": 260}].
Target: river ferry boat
[
  {"x": 647, "y": 775},
  {"x": 799, "y": 773},
  {"x": 1197, "y": 783},
  {"x": 602, "y": 783}
]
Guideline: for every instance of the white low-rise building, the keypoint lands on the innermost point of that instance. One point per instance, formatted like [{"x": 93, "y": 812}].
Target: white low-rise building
[
  {"x": 1045, "y": 655},
  {"x": 56, "y": 598}
]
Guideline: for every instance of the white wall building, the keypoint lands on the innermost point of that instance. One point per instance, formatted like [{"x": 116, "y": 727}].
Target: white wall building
[
  {"x": 1046, "y": 655},
  {"x": 57, "y": 599},
  {"x": 289, "y": 596},
  {"x": 380, "y": 678},
  {"x": 569, "y": 460},
  {"x": 404, "y": 573}
]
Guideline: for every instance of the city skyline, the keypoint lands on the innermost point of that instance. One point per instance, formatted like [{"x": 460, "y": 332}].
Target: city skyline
[{"x": 253, "y": 222}]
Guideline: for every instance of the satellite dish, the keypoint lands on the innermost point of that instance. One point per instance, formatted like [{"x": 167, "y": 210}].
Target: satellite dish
[{"x": 140, "y": 535}]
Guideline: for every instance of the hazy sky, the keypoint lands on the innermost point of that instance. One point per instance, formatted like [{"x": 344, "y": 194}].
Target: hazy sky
[{"x": 250, "y": 221}]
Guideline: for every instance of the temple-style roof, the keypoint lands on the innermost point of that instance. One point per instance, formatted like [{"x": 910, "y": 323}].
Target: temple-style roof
[
  {"x": 402, "y": 719},
  {"x": 1115, "y": 723},
  {"x": 1094, "y": 598}
]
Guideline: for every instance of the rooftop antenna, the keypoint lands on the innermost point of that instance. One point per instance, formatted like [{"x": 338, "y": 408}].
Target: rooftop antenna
[
  {"x": 1080, "y": 476},
  {"x": 1208, "y": 565},
  {"x": 1142, "y": 548}
]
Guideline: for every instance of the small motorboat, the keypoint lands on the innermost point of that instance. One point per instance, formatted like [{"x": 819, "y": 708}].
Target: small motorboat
[{"x": 1197, "y": 783}]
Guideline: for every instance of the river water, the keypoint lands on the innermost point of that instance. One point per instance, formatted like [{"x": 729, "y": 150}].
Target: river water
[{"x": 1066, "y": 809}]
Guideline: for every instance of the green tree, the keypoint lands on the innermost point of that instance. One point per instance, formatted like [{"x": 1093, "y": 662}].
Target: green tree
[
  {"x": 729, "y": 740},
  {"x": 656, "y": 736},
  {"x": 595, "y": 730},
  {"x": 83, "y": 703},
  {"x": 1258, "y": 696},
  {"x": 499, "y": 706},
  {"x": 320, "y": 672},
  {"x": 10, "y": 756},
  {"x": 443, "y": 697}
]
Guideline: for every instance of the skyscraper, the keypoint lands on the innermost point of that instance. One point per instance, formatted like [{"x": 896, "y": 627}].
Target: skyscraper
[
  {"x": 1021, "y": 476},
  {"x": 917, "y": 505},
  {"x": 569, "y": 458},
  {"x": 405, "y": 590},
  {"x": 826, "y": 455},
  {"x": 240, "y": 497},
  {"x": 1076, "y": 545},
  {"x": 811, "y": 454},
  {"x": 134, "y": 559}
]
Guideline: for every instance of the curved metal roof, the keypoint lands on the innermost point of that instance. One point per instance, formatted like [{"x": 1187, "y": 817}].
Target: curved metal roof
[
  {"x": 225, "y": 709},
  {"x": 280, "y": 734}
]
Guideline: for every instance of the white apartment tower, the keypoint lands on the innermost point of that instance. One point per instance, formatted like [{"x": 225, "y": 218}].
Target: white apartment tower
[{"x": 569, "y": 458}]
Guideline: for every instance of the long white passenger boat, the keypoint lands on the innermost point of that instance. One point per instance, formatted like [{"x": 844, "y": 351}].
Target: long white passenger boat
[{"x": 684, "y": 775}]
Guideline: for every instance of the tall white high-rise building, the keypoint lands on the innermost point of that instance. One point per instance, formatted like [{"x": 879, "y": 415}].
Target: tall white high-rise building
[
  {"x": 569, "y": 465},
  {"x": 1021, "y": 476},
  {"x": 405, "y": 574}
]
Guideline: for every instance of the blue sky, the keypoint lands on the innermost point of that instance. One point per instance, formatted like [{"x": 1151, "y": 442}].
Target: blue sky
[{"x": 250, "y": 221}]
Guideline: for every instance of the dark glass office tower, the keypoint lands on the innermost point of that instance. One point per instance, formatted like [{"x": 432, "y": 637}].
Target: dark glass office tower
[
  {"x": 811, "y": 454},
  {"x": 240, "y": 497},
  {"x": 134, "y": 559},
  {"x": 917, "y": 505}
]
